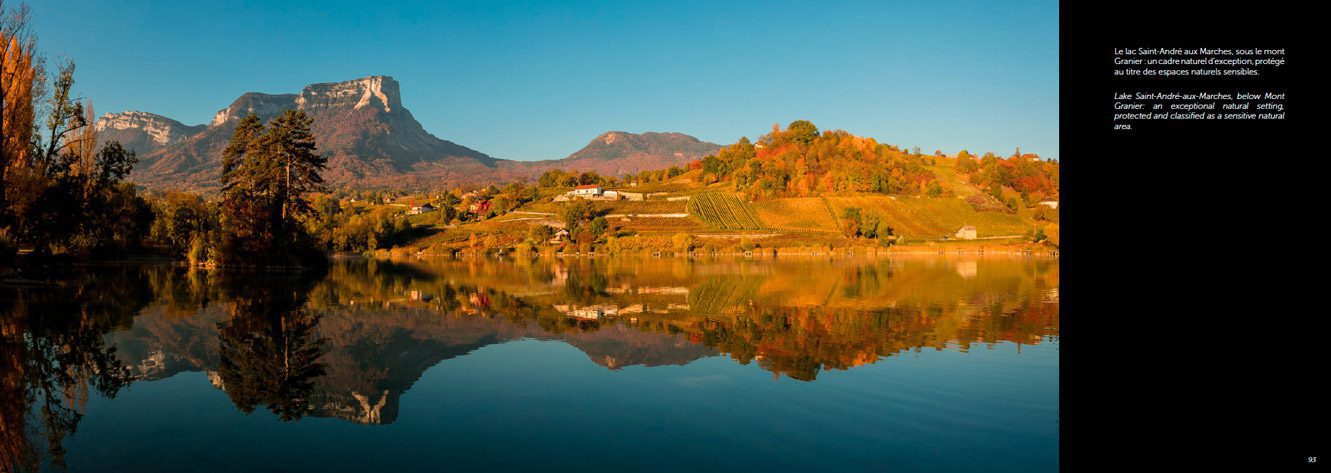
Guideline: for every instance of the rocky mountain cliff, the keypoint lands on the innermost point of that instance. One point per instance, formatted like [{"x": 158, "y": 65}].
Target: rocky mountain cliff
[
  {"x": 144, "y": 132},
  {"x": 370, "y": 140},
  {"x": 359, "y": 125}
]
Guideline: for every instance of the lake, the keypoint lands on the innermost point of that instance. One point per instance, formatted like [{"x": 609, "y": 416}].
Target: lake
[{"x": 577, "y": 364}]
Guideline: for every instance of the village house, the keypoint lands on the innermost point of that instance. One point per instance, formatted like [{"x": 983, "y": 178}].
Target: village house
[
  {"x": 966, "y": 233},
  {"x": 560, "y": 235},
  {"x": 1053, "y": 204},
  {"x": 420, "y": 209},
  {"x": 586, "y": 191},
  {"x": 480, "y": 208}
]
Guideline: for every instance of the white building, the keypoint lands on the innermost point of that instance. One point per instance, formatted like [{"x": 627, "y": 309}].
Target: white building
[
  {"x": 420, "y": 209},
  {"x": 589, "y": 190}
]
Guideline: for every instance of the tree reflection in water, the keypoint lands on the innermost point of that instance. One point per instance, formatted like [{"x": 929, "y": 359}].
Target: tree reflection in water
[
  {"x": 52, "y": 352},
  {"x": 269, "y": 350}
]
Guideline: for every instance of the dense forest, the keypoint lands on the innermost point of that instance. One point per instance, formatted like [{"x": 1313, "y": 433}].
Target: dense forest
[{"x": 800, "y": 161}]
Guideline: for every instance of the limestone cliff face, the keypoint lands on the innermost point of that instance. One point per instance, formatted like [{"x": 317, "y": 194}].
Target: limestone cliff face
[
  {"x": 265, "y": 106},
  {"x": 143, "y": 132},
  {"x": 380, "y": 92},
  {"x": 375, "y": 91}
]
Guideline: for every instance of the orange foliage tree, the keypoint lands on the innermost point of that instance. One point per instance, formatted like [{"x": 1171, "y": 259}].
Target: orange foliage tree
[{"x": 20, "y": 77}]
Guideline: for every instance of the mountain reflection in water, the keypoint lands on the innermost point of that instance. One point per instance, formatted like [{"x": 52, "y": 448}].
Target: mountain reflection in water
[{"x": 348, "y": 342}]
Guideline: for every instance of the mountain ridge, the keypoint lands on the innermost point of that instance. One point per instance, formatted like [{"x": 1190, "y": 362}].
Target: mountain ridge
[{"x": 371, "y": 140}]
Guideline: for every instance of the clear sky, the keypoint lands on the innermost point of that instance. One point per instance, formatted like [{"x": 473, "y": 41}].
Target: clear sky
[{"x": 538, "y": 80}]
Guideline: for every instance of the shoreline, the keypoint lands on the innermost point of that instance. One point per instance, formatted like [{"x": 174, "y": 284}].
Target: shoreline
[{"x": 1008, "y": 251}]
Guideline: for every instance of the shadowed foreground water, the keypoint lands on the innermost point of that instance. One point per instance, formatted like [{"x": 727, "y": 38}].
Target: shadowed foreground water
[{"x": 923, "y": 364}]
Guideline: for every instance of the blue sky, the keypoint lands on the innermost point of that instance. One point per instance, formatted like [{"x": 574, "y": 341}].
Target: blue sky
[{"x": 538, "y": 80}]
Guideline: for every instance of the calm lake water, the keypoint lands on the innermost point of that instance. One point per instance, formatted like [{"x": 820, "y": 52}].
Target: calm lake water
[{"x": 911, "y": 364}]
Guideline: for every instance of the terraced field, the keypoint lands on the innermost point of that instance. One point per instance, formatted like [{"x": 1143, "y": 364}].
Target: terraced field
[
  {"x": 932, "y": 217},
  {"x": 808, "y": 214},
  {"x": 724, "y": 211},
  {"x": 915, "y": 217}
]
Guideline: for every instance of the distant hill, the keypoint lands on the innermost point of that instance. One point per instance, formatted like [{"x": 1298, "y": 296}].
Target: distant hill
[
  {"x": 616, "y": 152},
  {"x": 370, "y": 140}
]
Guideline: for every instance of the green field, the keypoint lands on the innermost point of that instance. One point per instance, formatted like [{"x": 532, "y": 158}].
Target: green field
[{"x": 724, "y": 211}]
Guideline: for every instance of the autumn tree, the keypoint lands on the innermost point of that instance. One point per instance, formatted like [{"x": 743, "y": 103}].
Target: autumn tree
[
  {"x": 181, "y": 220},
  {"x": 21, "y": 82},
  {"x": 802, "y": 131},
  {"x": 850, "y": 221},
  {"x": 966, "y": 162},
  {"x": 539, "y": 234},
  {"x": 60, "y": 186},
  {"x": 577, "y": 213},
  {"x": 70, "y": 191}
]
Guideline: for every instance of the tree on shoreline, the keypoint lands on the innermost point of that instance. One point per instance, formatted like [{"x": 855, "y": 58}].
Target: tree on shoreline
[{"x": 61, "y": 188}]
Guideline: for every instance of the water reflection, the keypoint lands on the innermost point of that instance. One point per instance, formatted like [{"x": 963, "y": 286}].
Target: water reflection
[
  {"x": 268, "y": 348},
  {"x": 350, "y": 342},
  {"x": 52, "y": 352}
]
